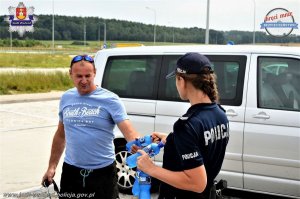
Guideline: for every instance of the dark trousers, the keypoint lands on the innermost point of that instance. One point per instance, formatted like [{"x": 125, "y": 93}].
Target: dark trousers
[
  {"x": 168, "y": 192},
  {"x": 82, "y": 183}
]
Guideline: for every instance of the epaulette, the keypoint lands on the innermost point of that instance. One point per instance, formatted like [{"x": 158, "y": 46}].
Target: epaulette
[
  {"x": 222, "y": 108},
  {"x": 184, "y": 118}
]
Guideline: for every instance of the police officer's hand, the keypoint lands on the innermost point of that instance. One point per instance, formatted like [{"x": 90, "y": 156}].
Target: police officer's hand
[
  {"x": 157, "y": 137},
  {"x": 144, "y": 162}
]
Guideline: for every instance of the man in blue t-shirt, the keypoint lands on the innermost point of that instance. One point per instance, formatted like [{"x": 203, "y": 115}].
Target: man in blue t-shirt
[
  {"x": 195, "y": 150},
  {"x": 87, "y": 117}
]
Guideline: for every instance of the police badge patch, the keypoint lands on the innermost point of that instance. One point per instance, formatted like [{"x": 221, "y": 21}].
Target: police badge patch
[{"x": 21, "y": 19}]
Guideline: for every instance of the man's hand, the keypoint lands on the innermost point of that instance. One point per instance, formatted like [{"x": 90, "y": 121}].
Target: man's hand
[
  {"x": 134, "y": 148},
  {"x": 49, "y": 175}
]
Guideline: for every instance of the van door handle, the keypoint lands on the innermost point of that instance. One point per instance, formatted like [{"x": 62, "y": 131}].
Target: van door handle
[
  {"x": 262, "y": 115},
  {"x": 231, "y": 113}
]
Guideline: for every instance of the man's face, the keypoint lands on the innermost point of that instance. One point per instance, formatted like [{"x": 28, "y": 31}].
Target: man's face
[{"x": 83, "y": 74}]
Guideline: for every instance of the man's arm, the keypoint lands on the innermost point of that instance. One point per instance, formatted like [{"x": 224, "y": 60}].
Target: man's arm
[
  {"x": 128, "y": 131},
  {"x": 58, "y": 146}
]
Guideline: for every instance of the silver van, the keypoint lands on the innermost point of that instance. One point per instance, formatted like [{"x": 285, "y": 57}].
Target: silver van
[{"x": 259, "y": 87}]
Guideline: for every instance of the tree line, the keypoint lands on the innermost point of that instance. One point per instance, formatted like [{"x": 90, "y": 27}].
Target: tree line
[{"x": 92, "y": 28}]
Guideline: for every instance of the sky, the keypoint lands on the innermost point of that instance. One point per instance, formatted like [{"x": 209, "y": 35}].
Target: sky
[{"x": 224, "y": 14}]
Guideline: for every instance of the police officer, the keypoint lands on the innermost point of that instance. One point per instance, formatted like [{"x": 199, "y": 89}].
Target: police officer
[{"x": 194, "y": 151}]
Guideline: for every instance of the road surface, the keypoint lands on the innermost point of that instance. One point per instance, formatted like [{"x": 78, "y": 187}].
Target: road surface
[{"x": 27, "y": 126}]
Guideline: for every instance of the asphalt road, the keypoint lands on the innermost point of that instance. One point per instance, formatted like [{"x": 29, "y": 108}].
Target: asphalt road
[{"x": 27, "y": 125}]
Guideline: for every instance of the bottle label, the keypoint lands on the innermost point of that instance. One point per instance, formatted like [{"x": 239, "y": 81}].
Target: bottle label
[
  {"x": 148, "y": 150},
  {"x": 142, "y": 140},
  {"x": 161, "y": 145},
  {"x": 144, "y": 180}
]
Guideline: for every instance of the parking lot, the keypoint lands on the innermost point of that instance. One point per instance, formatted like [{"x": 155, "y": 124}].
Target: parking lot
[
  {"x": 27, "y": 127},
  {"x": 28, "y": 123}
]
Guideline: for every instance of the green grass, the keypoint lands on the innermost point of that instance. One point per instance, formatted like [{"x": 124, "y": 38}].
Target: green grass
[
  {"x": 33, "y": 82},
  {"x": 25, "y": 60},
  {"x": 45, "y": 57}
]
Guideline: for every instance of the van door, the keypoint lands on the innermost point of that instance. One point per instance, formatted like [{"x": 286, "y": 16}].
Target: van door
[
  {"x": 272, "y": 129},
  {"x": 230, "y": 71},
  {"x": 135, "y": 80}
]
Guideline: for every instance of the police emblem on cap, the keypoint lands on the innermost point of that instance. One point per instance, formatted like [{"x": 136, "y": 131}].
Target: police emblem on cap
[
  {"x": 179, "y": 70},
  {"x": 191, "y": 63}
]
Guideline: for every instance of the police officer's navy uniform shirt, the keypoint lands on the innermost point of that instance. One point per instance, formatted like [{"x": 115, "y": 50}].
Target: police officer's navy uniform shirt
[{"x": 199, "y": 138}]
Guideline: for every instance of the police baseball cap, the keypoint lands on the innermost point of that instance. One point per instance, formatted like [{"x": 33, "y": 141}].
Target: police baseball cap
[{"x": 191, "y": 63}]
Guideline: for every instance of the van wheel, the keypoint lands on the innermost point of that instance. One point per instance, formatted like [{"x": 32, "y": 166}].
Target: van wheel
[{"x": 126, "y": 175}]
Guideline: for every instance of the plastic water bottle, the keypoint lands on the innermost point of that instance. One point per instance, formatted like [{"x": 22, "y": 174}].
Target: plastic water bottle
[
  {"x": 140, "y": 142},
  {"x": 144, "y": 185},
  {"x": 152, "y": 149},
  {"x": 136, "y": 186}
]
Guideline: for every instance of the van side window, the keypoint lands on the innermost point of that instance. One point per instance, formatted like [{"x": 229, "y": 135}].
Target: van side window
[
  {"x": 227, "y": 79},
  {"x": 279, "y": 83},
  {"x": 132, "y": 76},
  {"x": 230, "y": 71},
  {"x": 170, "y": 89}
]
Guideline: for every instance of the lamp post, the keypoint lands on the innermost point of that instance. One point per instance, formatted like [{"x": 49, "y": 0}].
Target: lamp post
[
  {"x": 84, "y": 32},
  {"x": 104, "y": 34},
  {"x": 154, "y": 11},
  {"x": 173, "y": 35},
  {"x": 172, "y": 30},
  {"x": 52, "y": 26},
  {"x": 207, "y": 24},
  {"x": 254, "y": 13},
  {"x": 104, "y": 38},
  {"x": 10, "y": 35},
  {"x": 99, "y": 33}
]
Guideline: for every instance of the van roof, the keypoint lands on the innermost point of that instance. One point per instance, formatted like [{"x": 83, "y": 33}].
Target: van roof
[{"x": 179, "y": 49}]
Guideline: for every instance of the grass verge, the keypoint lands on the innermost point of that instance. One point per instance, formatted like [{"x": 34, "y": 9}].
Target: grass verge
[
  {"x": 24, "y": 60},
  {"x": 33, "y": 82}
]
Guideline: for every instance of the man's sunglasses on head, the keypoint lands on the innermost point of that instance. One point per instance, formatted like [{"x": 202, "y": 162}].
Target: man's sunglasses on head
[{"x": 82, "y": 57}]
